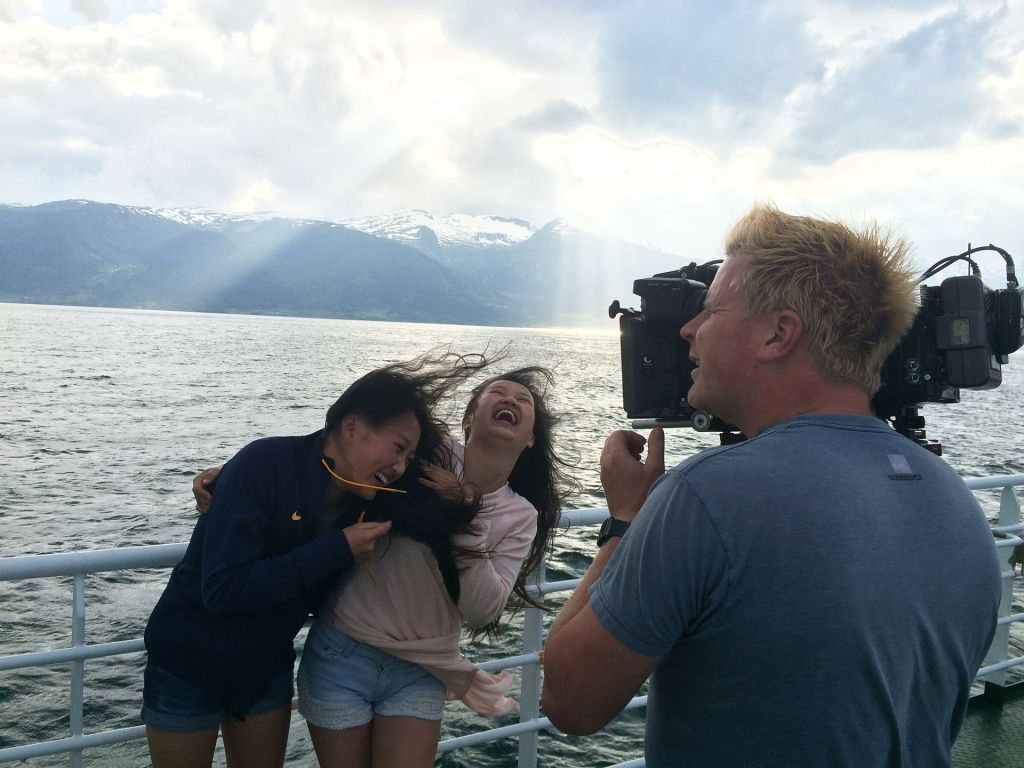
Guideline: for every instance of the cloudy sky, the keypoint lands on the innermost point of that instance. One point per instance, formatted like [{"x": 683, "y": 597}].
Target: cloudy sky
[{"x": 657, "y": 122}]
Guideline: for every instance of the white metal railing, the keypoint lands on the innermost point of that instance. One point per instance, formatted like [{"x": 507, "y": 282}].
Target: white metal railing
[
  {"x": 1007, "y": 530},
  {"x": 78, "y": 565}
]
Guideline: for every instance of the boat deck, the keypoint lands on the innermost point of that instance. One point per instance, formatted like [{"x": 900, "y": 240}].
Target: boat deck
[{"x": 992, "y": 736}]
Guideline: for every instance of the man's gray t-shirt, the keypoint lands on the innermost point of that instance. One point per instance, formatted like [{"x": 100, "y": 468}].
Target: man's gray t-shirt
[{"x": 822, "y": 594}]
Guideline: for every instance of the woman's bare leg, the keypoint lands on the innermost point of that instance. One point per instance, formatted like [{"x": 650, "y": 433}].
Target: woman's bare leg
[
  {"x": 258, "y": 741},
  {"x": 405, "y": 742},
  {"x": 168, "y": 749},
  {"x": 349, "y": 748}
]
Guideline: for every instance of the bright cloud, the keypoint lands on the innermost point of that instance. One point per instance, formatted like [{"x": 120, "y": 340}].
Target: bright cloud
[
  {"x": 658, "y": 122},
  {"x": 258, "y": 196}
]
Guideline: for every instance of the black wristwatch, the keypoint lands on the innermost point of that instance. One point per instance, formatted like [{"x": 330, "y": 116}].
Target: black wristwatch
[{"x": 611, "y": 527}]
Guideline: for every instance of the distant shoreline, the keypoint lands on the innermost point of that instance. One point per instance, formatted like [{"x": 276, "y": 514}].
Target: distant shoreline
[{"x": 611, "y": 331}]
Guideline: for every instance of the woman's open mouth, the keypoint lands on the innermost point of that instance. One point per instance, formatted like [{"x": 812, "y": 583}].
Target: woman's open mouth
[{"x": 504, "y": 414}]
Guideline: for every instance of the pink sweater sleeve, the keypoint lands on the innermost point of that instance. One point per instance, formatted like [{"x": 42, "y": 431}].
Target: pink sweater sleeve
[{"x": 508, "y": 524}]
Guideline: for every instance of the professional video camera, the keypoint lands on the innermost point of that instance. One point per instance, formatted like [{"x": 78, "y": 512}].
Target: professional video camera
[{"x": 962, "y": 334}]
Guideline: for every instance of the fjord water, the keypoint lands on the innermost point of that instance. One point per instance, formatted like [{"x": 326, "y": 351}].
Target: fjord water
[{"x": 107, "y": 414}]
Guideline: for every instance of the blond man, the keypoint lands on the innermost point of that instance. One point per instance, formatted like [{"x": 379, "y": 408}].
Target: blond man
[{"x": 820, "y": 594}]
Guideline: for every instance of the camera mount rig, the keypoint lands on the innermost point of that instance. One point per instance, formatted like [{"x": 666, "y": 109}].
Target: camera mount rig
[{"x": 961, "y": 336}]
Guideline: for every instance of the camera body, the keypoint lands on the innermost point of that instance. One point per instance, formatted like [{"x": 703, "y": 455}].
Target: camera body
[{"x": 962, "y": 334}]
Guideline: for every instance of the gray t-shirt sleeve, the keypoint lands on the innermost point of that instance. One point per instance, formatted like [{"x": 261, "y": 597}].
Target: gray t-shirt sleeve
[{"x": 667, "y": 575}]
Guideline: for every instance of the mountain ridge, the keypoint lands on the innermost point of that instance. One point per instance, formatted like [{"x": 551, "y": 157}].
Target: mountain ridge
[{"x": 411, "y": 265}]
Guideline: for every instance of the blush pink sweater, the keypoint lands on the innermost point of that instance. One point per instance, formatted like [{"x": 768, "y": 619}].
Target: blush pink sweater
[{"x": 405, "y": 610}]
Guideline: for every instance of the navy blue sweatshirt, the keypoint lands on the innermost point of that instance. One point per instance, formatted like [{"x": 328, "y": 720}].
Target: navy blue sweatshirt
[{"x": 255, "y": 567}]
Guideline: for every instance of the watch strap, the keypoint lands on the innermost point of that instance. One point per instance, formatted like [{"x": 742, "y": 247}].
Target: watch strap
[{"x": 612, "y": 527}]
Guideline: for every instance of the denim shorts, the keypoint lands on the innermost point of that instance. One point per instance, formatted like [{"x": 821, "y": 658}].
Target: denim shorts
[
  {"x": 172, "y": 704},
  {"x": 344, "y": 683}
]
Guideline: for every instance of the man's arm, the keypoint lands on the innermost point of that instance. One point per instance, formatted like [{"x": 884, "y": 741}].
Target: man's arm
[
  {"x": 589, "y": 675},
  {"x": 202, "y": 488}
]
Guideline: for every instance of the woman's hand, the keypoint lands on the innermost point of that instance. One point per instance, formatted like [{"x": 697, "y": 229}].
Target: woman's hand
[
  {"x": 446, "y": 484},
  {"x": 362, "y": 537},
  {"x": 202, "y": 488}
]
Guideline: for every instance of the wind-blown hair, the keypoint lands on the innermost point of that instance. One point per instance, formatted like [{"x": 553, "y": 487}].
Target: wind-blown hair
[
  {"x": 416, "y": 386},
  {"x": 540, "y": 476},
  {"x": 854, "y": 290}
]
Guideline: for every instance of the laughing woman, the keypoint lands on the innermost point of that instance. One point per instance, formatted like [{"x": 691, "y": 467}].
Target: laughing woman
[
  {"x": 285, "y": 523},
  {"x": 383, "y": 655}
]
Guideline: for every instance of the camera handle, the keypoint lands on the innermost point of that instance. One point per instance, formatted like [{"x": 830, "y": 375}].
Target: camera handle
[
  {"x": 700, "y": 421},
  {"x": 909, "y": 423}
]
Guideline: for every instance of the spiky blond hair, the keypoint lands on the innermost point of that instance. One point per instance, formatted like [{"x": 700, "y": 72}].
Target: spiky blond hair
[{"x": 854, "y": 290}]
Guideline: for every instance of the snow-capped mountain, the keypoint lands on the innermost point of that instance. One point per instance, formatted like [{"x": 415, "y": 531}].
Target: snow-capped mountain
[
  {"x": 424, "y": 230},
  {"x": 194, "y": 217},
  {"x": 562, "y": 228},
  {"x": 204, "y": 217}
]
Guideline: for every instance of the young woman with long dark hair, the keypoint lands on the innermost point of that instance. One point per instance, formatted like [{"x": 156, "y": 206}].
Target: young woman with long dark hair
[
  {"x": 383, "y": 654},
  {"x": 287, "y": 520}
]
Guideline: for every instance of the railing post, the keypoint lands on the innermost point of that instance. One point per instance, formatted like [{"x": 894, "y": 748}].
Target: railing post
[
  {"x": 77, "y": 666},
  {"x": 1009, "y": 515},
  {"x": 529, "y": 698}
]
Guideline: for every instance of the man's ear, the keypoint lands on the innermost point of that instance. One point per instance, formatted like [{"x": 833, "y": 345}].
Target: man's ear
[
  {"x": 531, "y": 441},
  {"x": 467, "y": 422},
  {"x": 784, "y": 329}
]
